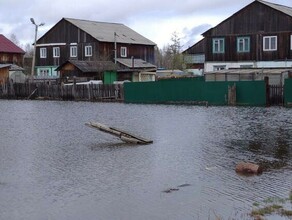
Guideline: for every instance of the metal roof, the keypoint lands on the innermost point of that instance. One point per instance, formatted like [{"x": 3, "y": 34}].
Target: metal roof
[
  {"x": 105, "y": 32},
  {"x": 7, "y": 46},
  {"x": 12, "y": 67},
  {"x": 90, "y": 66},
  {"x": 4, "y": 65},
  {"x": 282, "y": 8},
  {"x": 135, "y": 63}
]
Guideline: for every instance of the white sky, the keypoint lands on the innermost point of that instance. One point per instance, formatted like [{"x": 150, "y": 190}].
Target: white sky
[{"x": 156, "y": 20}]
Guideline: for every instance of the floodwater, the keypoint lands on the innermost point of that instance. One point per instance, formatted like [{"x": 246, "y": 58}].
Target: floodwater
[{"x": 52, "y": 166}]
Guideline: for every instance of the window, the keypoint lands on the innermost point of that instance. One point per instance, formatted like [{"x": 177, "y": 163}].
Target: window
[
  {"x": 56, "y": 51},
  {"x": 270, "y": 43},
  {"x": 123, "y": 52},
  {"x": 43, "y": 52},
  {"x": 44, "y": 72},
  {"x": 88, "y": 51},
  {"x": 218, "y": 45},
  {"x": 243, "y": 44},
  {"x": 219, "y": 67},
  {"x": 291, "y": 42},
  {"x": 73, "y": 51}
]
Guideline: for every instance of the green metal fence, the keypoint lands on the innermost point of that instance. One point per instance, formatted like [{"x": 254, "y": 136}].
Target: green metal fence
[
  {"x": 249, "y": 93},
  {"x": 288, "y": 92}
]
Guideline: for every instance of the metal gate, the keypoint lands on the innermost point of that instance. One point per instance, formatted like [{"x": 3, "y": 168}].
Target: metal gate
[{"x": 275, "y": 95}]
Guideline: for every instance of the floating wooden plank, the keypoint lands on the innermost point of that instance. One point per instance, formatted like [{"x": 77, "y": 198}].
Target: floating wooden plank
[
  {"x": 34, "y": 91},
  {"x": 123, "y": 135}
]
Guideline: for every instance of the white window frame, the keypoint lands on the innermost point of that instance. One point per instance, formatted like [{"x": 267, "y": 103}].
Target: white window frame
[
  {"x": 245, "y": 43},
  {"x": 123, "y": 51},
  {"x": 43, "y": 52},
  {"x": 44, "y": 72},
  {"x": 88, "y": 51},
  {"x": 218, "y": 45},
  {"x": 73, "y": 51},
  {"x": 219, "y": 67},
  {"x": 56, "y": 52},
  {"x": 270, "y": 47}
]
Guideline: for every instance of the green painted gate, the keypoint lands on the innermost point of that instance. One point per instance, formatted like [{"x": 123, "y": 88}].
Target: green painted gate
[{"x": 109, "y": 77}]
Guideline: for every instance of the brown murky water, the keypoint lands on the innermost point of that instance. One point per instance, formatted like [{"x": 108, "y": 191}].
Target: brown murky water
[{"x": 54, "y": 167}]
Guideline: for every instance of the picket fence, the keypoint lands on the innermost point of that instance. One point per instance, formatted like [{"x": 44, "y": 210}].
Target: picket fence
[{"x": 45, "y": 90}]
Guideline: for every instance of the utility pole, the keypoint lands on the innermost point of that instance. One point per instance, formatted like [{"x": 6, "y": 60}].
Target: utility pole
[
  {"x": 34, "y": 49},
  {"x": 115, "y": 39}
]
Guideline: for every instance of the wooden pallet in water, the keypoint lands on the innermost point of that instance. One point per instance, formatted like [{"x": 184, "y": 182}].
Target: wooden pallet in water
[{"x": 123, "y": 135}]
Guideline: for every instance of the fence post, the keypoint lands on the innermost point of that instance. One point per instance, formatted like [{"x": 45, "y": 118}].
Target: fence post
[
  {"x": 74, "y": 88},
  {"x": 267, "y": 91},
  {"x": 232, "y": 95},
  {"x": 90, "y": 92}
]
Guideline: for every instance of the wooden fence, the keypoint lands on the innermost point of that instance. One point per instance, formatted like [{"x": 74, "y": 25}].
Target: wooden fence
[
  {"x": 43, "y": 90},
  {"x": 276, "y": 95}
]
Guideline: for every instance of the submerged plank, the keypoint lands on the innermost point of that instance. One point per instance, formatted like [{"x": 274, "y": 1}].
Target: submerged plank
[{"x": 123, "y": 135}]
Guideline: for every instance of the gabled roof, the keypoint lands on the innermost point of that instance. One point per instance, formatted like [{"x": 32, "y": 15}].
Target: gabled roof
[
  {"x": 105, "y": 32},
  {"x": 197, "y": 48},
  {"x": 135, "y": 63},
  {"x": 90, "y": 66},
  {"x": 282, "y": 8},
  {"x": 7, "y": 46}
]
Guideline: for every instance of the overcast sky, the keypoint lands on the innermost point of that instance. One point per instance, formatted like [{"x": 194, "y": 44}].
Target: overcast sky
[{"x": 154, "y": 19}]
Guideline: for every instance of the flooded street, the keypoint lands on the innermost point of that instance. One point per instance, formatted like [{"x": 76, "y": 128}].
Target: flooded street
[{"x": 52, "y": 166}]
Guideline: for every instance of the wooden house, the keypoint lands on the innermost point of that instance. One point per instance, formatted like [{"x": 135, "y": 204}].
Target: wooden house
[
  {"x": 194, "y": 57},
  {"x": 10, "y": 53},
  {"x": 90, "y": 41},
  {"x": 257, "y": 36}
]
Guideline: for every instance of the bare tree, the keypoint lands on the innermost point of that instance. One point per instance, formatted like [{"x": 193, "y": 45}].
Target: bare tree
[
  {"x": 170, "y": 56},
  {"x": 175, "y": 49},
  {"x": 28, "y": 48},
  {"x": 14, "y": 39}
]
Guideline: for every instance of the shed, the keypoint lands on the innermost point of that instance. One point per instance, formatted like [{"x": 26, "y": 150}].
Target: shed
[
  {"x": 86, "y": 69},
  {"x": 12, "y": 72},
  {"x": 135, "y": 70}
]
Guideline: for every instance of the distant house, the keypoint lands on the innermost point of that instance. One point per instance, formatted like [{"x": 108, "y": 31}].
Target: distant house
[
  {"x": 10, "y": 53},
  {"x": 91, "y": 41},
  {"x": 257, "y": 36},
  {"x": 11, "y": 61},
  {"x": 194, "y": 57}
]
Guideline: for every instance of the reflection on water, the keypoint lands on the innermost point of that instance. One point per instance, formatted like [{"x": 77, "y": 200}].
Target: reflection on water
[{"x": 54, "y": 167}]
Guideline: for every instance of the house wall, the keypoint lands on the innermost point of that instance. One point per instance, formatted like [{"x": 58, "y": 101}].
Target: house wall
[
  {"x": 253, "y": 18},
  {"x": 11, "y": 58},
  {"x": 256, "y": 52},
  {"x": 195, "y": 90},
  {"x": 212, "y": 66},
  {"x": 252, "y": 21}
]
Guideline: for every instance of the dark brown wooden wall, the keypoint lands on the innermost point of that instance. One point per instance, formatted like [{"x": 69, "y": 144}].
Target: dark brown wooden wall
[
  {"x": 197, "y": 48},
  {"x": 256, "y": 20},
  {"x": 11, "y": 58}
]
